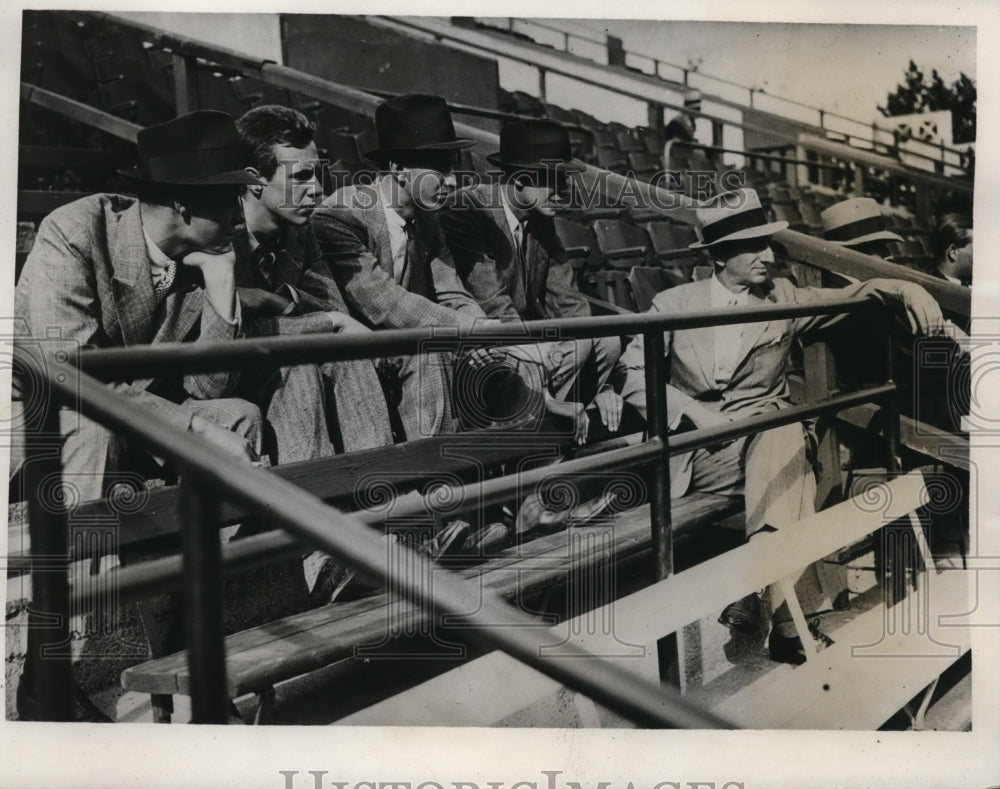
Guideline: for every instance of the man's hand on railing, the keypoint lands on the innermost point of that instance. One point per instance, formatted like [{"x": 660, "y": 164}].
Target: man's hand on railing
[
  {"x": 224, "y": 439},
  {"x": 922, "y": 311}
]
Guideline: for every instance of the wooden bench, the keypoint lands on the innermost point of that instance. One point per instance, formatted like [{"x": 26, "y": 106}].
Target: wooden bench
[
  {"x": 879, "y": 661},
  {"x": 258, "y": 658}
]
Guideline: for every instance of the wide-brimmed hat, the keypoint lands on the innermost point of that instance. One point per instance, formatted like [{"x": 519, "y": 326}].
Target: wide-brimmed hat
[
  {"x": 414, "y": 123},
  {"x": 197, "y": 149},
  {"x": 733, "y": 216},
  {"x": 535, "y": 144},
  {"x": 855, "y": 221}
]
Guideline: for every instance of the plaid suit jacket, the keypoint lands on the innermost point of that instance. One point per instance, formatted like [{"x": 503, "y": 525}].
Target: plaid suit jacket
[
  {"x": 353, "y": 236},
  {"x": 476, "y": 228},
  {"x": 87, "y": 279},
  {"x": 298, "y": 264}
]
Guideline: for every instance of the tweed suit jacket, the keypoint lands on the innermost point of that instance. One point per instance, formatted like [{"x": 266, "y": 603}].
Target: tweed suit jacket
[
  {"x": 353, "y": 237},
  {"x": 759, "y": 383},
  {"x": 298, "y": 264},
  {"x": 87, "y": 279},
  {"x": 475, "y": 225}
]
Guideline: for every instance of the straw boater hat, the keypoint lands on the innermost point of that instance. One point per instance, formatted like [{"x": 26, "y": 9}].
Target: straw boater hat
[
  {"x": 412, "y": 124},
  {"x": 197, "y": 149},
  {"x": 855, "y": 221},
  {"x": 733, "y": 216}
]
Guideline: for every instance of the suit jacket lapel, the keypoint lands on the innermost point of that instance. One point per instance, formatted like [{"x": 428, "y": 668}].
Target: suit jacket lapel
[{"x": 132, "y": 285}]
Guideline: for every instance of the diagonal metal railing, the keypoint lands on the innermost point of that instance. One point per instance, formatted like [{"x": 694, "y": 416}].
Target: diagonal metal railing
[{"x": 207, "y": 472}]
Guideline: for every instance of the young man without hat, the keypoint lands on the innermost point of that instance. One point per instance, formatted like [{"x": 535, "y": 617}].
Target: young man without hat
[{"x": 724, "y": 373}]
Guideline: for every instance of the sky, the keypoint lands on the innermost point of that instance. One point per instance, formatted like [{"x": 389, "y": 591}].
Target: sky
[{"x": 842, "y": 68}]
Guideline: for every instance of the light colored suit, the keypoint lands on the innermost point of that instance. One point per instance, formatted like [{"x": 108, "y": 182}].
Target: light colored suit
[
  {"x": 87, "y": 283},
  {"x": 485, "y": 254},
  {"x": 763, "y": 467}
]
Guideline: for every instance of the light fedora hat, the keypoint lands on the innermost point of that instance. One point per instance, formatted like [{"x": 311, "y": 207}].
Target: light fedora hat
[
  {"x": 855, "y": 221},
  {"x": 733, "y": 216}
]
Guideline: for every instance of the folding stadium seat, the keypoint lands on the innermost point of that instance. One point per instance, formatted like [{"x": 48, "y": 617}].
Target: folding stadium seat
[
  {"x": 643, "y": 165},
  {"x": 611, "y": 159},
  {"x": 505, "y": 101},
  {"x": 622, "y": 245},
  {"x": 627, "y": 143},
  {"x": 651, "y": 141},
  {"x": 645, "y": 282},
  {"x": 579, "y": 242},
  {"x": 526, "y": 104},
  {"x": 789, "y": 212},
  {"x": 671, "y": 240},
  {"x": 604, "y": 138}
]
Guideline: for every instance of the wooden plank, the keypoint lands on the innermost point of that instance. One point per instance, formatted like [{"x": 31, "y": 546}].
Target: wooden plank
[
  {"x": 649, "y": 614},
  {"x": 304, "y": 642},
  {"x": 937, "y": 444},
  {"x": 824, "y": 692}
]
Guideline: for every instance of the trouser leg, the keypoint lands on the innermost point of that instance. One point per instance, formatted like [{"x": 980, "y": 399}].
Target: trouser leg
[
  {"x": 357, "y": 412},
  {"x": 425, "y": 408},
  {"x": 295, "y": 406},
  {"x": 578, "y": 369}
]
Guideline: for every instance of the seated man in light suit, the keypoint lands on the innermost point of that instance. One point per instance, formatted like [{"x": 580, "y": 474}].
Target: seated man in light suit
[{"x": 724, "y": 373}]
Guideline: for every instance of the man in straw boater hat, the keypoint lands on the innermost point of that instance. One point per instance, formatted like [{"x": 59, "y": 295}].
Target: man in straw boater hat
[
  {"x": 111, "y": 271},
  {"x": 385, "y": 247},
  {"x": 724, "y": 373},
  {"x": 858, "y": 224},
  {"x": 505, "y": 246}
]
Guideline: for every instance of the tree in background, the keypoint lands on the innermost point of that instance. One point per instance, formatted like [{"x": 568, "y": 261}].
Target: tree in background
[{"x": 918, "y": 94}]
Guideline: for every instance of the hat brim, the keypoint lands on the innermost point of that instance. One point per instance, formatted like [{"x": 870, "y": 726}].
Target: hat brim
[
  {"x": 743, "y": 235},
  {"x": 377, "y": 154},
  {"x": 880, "y": 235},
  {"x": 228, "y": 178},
  {"x": 565, "y": 167}
]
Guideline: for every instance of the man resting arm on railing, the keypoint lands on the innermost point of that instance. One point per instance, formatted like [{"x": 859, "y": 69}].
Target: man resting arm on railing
[{"x": 724, "y": 373}]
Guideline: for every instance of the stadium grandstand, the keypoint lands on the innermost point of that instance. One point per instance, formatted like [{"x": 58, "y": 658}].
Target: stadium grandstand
[{"x": 530, "y": 568}]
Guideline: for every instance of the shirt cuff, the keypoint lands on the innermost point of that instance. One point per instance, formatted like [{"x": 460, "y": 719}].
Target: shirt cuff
[{"x": 293, "y": 294}]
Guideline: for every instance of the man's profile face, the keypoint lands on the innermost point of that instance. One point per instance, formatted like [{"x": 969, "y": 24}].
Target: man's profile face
[
  {"x": 963, "y": 260},
  {"x": 213, "y": 216},
  {"x": 747, "y": 264},
  {"x": 536, "y": 198},
  {"x": 292, "y": 192},
  {"x": 429, "y": 181}
]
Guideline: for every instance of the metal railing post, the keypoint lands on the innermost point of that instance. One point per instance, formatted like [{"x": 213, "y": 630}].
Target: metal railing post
[
  {"x": 199, "y": 522},
  {"x": 185, "y": 83},
  {"x": 656, "y": 426},
  {"x": 48, "y": 663},
  {"x": 892, "y": 436}
]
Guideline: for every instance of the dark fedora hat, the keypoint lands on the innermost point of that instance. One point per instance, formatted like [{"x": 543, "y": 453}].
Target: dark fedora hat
[
  {"x": 414, "y": 123},
  {"x": 197, "y": 149},
  {"x": 535, "y": 144}
]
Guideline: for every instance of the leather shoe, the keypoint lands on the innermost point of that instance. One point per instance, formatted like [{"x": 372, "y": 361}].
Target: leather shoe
[
  {"x": 785, "y": 646},
  {"x": 743, "y": 615}
]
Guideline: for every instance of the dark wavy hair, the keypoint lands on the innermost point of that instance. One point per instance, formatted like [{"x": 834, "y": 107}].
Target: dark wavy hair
[
  {"x": 268, "y": 125},
  {"x": 951, "y": 228}
]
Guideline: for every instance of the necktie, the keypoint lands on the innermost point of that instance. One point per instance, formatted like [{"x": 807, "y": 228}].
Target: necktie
[
  {"x": 414, "y": 267},
  {"x": 163, "y": 278},
  {"x": 264, "y": 261}
]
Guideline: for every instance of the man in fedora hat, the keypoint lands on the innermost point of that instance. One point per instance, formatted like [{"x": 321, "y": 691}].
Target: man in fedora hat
[
  {"x": 724, "y": 373},
  {"x": 858, "y": 224},
  {"x": 504, "y": 243},
  {"x": 386, "y": 249},
  {"x": 112, "y": 271}
]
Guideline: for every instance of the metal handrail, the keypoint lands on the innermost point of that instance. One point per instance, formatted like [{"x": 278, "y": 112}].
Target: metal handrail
[{"x": 206, "y": 469}]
